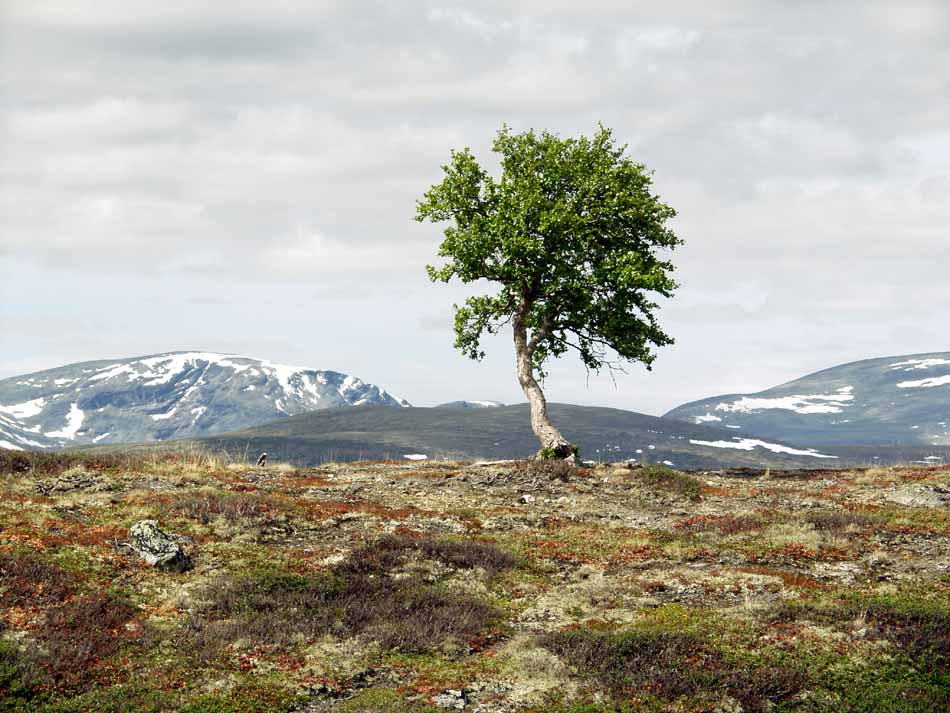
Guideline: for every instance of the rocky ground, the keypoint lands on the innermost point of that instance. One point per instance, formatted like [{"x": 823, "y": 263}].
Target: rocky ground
[{"x": 492, "y": 587}]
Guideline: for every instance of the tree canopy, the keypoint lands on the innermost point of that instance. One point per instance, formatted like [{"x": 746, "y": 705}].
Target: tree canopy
[{"x": 575, "y": 239}]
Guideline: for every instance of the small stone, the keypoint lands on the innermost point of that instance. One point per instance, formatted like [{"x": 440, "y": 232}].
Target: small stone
[
  {"x": 157, "y": 548},
  {"x": 526, "y": 499},
  {"x": 451, "y": 699}
]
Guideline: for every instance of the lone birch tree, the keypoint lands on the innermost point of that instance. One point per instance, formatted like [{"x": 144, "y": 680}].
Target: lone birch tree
[{"x": 577, "y": 244}]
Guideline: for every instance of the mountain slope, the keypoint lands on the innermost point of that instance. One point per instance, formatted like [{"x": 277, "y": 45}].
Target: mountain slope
[
  {"x": 902, "y": 400},
  {"x": 504, "y": 432},
  {"x": 165, "y": 396}
]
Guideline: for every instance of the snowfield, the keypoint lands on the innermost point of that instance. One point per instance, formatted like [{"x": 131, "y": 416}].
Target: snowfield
[
  {"x": 912, "y": 364},
  {"x": 74, "y": 421},
  {"x": 817, "y": 403},
  {"x": 749, "y": 444},
  {"x": 925, "y": 383}
]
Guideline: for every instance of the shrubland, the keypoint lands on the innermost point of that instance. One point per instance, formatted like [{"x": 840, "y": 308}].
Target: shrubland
[{"x": 531, "y": 586}]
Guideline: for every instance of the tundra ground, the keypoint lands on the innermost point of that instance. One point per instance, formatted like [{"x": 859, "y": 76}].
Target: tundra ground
[{"x": 505, "y": 587}]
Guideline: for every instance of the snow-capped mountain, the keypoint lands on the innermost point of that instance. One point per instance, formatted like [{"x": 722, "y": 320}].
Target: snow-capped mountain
[
  {"x": 165, "y": 396},
  {"x": 892, "y": 401},
  {"x": 471, "y": 404}
]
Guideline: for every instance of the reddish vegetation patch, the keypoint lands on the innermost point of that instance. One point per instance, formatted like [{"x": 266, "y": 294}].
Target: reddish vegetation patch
[
  {"x": 552, "y": 549},
  {"x": 702, "y": 554},
  {"x": 60, "y": 533},
  {"x": 923, "y": 473},
  {"x": 724, "y": 524},
  {"x": 771, "y": 490},
  {"x": 80, "y": 634},
  {"x": 909, "y": 529},
  {"x": 916, "y": 476},
  {"x": 639, "y": 553},
  {"x": 712, "y": 490},
  {"x": 653, "y": 586},
  {"x": 233, "y": 507},
  {"x": 8, "y": 497},
  {"x": 796, "y": 552},
  {"x": 321, "y": 509},
  {"x": 845, "y": 485},
  {"x": 790, "y": 579},
  {"x": 27, "y": 580},
  {"x": 863, "y": 507},
  {"x": 74, "y": 634},
  {"x": 302, "y": 481}
]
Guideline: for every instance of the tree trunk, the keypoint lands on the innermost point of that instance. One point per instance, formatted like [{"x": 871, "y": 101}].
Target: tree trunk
[{"x": 551, "y": 439}]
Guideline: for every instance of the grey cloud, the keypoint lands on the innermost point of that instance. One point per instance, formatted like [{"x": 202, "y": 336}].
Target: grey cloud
[{"x": 285, "y": 143}]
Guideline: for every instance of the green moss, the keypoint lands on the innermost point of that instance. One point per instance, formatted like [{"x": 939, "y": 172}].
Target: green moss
[
  {"x": 381, "y": 700},
  {"x": 880, "y": 684},
  {"x": 116, "y": 699},
  {"x": 245, "y": 700}
]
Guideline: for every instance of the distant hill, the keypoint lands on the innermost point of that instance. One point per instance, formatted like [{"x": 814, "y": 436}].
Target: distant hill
[
  {"x": 901, "y": 401},
  {"x": 166, "y": 396},
  {"x": 375, "y": 432}
]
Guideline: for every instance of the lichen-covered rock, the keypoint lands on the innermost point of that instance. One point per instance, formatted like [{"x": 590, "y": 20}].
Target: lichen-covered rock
[
  {"x": 924, "y": 496},
  {"x": 156, "y": 547},
  {"x": 452, "y": 699}
]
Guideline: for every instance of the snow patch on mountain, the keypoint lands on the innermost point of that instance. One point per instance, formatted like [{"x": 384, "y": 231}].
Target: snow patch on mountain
[
  {"x": 749, "y": 444},
  {"x": 925, "y": 383},
  {"x": 163, "y": 416},
  {"x": 27, "y": 409},
  {"x": 912, "y": 364},
  {"x": 799, "y": 403},
  {"x": 74, "y": 421}
]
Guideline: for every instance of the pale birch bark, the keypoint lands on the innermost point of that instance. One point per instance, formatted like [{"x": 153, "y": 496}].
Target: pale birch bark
[{"x": 546, "y": 432}]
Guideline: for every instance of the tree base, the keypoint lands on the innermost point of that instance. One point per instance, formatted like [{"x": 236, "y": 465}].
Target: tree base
[{"x": 559, "y": 451}]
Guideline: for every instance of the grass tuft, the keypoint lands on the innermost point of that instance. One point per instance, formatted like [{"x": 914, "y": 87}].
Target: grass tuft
[
  {"x": 548, "y": 469},
  {"x": 659, "y": 477}
]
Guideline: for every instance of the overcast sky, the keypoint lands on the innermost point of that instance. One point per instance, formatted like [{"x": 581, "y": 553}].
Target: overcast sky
[{"x": 242, "y": 177}]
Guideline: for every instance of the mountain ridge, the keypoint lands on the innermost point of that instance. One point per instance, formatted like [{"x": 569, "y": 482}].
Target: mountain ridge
[
  {"x": 504, "y": 432},
  {"x": 170, "y": 395},
  {"x": 895, "y": 400}
]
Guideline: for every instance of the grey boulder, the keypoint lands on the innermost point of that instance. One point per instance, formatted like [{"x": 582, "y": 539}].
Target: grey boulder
[
  {"x": 156, "y": 547},
  {"x": 922, "y": 496}
]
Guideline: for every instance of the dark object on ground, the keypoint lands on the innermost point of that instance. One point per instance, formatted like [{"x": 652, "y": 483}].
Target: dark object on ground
[{"x": 262, "y": 461}]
